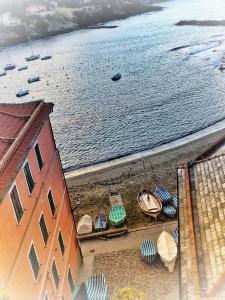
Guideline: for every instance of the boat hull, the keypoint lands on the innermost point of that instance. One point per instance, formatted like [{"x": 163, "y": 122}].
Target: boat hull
[{"x": 151, "y": 213}]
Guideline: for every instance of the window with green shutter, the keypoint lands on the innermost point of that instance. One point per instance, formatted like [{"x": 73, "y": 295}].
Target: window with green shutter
[
  {"x": 38, "y": 155},
  {"x": 70, "y": 281},
  {"x": 16, "y": 204},
  {"x": 44, "y": 229},
  {"x": 51, "y": 203},
  {"x": 61, "y": 243},
  {"x": 34, "y": 261},
  {"x": 29, "y": 177},
  {"x": 55, "y": 275}
]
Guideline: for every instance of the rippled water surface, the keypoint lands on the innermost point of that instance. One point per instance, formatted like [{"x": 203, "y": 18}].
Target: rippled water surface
[{"x": 161, "y": 96}]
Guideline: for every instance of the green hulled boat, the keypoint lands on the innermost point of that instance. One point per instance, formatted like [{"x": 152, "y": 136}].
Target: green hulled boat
[{"x": 117, "y": 215}]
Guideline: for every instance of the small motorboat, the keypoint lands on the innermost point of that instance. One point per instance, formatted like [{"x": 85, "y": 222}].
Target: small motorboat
[
  {"x": 46, "y": 57},
  {"x": 22, "y": 92},
  {"x": 32, "y": 57},
  {"x": 33, "y": 79},
  {"x": 22, "y": 68},
  {"x": 100, "y": 222},
  {"x": 9, "y": 67},
  {"x": 3, "y": 73},
  {"x": 149, "y": 203},
  {"x": 167, "y": 250},
  {"x": 84, "y": 225},
  {"x": 116, "y": 77}
]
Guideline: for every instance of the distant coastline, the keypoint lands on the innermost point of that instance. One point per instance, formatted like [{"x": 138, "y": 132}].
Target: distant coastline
[{"x": 65, "y": 20}]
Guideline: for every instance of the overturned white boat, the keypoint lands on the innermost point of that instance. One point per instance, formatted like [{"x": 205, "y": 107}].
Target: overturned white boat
[
  {"x": 85, "y": 225},
  {"x": 167, "y": 250}
]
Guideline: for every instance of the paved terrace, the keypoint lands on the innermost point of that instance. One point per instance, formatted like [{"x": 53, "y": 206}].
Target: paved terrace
[{"x": 201, "y": 189}]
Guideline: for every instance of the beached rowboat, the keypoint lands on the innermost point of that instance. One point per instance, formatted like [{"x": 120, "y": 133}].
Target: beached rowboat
[
  {"x": 167, "y": 250},
  {"x": 149, "y": 203},
  {"x": 169, "y": 211},
  {"x": 148, "y": 251},
  {"x": 117, "y": 215},
  {"x": 84, "y": 225},
  {"x": 163, "y": 195},
  {"x": 100, "y": 222}
]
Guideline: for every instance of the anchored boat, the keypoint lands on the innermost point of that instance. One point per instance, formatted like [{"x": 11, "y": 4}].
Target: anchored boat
[
  {"x": 3, "y": 74},
  {"x": 33, "y": 79},
  {"x": 32, "y": 57},
  {"x": 9, "y": 67},
  {"x": 22, "y": 68},
  {"x": 116, "y": 77},
  {"x": 46, "y": 57},
  {"x": 22, "y": 92},
  {"x": 149, "y": 203}
]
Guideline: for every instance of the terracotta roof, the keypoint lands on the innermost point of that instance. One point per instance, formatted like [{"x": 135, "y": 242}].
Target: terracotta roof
[
  {"x": 201, "y": 189},
  {"x": 19, "y": 125}
]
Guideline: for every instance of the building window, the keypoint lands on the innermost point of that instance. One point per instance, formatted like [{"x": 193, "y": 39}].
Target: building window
[
  {"x": 51, "y": 202},
  {"x": 16, "y": 204},
  {"x": 44, "y": 230},
  {"x": 70, "y": 280},
  {"x": 38, "y": 155},
  {"x": 61, "y": 243},
  {"x": 29, "y": 177},
  {"x": 34, "y": 261},
  {"x": 55, "y": 275}
]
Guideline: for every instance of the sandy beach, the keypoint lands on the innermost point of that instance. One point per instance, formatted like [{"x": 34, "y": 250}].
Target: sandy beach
[{"x": 130, "y": 174}]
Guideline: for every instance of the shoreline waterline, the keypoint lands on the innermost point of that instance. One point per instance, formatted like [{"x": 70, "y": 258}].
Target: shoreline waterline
[{"x": 162, "y": 149}]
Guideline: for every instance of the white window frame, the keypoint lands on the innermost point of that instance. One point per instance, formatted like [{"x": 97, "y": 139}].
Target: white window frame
[
  {"x": 36, "y": 143},
  {"x": 27, "y": 161},
  {"x": 32, "y": 243},
  {"x": 54, "y": 260},
  {"x": 10, "y": 190},
  {"x": 50, "y": 189},
  {"x": 42, "y": 213},
  {"x": 69, "y": 269}
]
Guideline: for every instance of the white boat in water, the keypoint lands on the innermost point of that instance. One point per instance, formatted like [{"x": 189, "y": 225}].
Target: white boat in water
[
  {"x": 32, "y": 57},
  {"x": 3, "y": 73},
  {"x": 22, "y": 68},
  {"x": 22, "y": 92},
  {"x": 9, "y": 67},
  {"x": 46, "y": 57},
  {"x": 167, "y": 250},
  {"x": 33, "y": 79}
]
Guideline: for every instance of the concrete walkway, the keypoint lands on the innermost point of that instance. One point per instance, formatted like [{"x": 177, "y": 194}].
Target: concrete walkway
[{"x": 132, "y": 240}]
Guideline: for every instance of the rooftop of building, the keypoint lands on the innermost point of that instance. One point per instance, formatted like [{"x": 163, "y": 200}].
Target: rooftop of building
[
  {"x": 201, "y": 190},
  {"x": 19, "y": 125}
]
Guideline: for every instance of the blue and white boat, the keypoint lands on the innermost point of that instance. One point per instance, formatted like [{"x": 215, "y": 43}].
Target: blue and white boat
[
  {"x": 33, "y": 79},
  {"x": 22, "y": 68},
  {"x": 22, "y": 92},
  {"x": 46, "y": 57}
]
